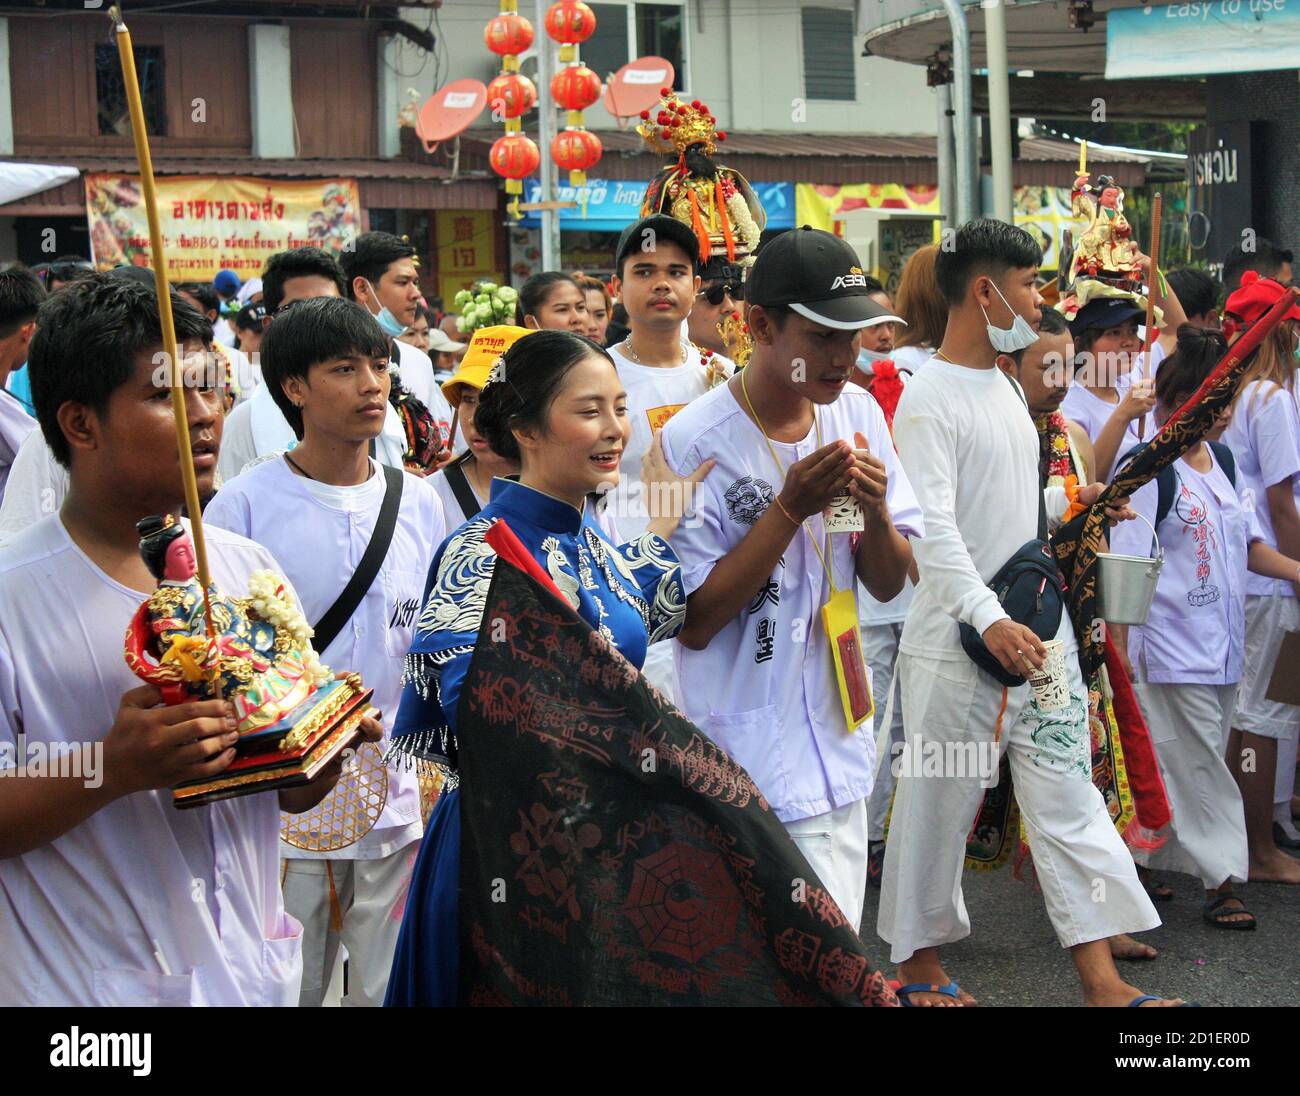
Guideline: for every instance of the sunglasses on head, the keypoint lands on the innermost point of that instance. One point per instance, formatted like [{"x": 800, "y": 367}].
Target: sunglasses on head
[{"x": 714, "y": 293}]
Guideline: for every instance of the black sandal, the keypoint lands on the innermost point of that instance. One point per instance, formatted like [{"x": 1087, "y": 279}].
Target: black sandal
[{"x": 1212, "y": 913}]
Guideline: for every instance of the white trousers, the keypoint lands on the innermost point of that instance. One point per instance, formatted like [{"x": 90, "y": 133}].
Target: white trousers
[
  {"x": 371, "y": 897},
  {"x": 1208, "y": 836},
  {"x": 880, "y": 646},
  {"x": 835, "y": 844},
  {"x": 1087, "y": 876}
]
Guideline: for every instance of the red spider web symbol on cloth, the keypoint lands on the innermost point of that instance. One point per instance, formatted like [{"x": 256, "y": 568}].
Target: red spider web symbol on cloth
[{"x": 683, "y": 902}]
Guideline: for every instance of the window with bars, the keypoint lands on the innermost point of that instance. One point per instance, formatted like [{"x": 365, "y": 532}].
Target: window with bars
[
  {"x": 110, "y": 91},
  {"x": 828, "y": 55}
]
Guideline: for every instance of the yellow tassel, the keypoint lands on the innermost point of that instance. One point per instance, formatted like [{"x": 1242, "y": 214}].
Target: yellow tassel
[
  {"x": 700, "y": 229},
  {"x": 569, "y": 52},
  {"x": 510, "y": 62},
  {"x": 577, "y": 178},
  {"x": 724, "y": 220},
  {"x": 514, "y": 125}
]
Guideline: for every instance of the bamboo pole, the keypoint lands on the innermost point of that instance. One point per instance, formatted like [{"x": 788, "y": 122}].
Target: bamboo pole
[
  {"x": 1153, "y": 279},
  {"x": 163, "y": 290}
]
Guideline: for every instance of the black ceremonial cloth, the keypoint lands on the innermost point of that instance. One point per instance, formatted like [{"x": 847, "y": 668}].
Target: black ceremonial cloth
[{"x": 611, "y": 854}]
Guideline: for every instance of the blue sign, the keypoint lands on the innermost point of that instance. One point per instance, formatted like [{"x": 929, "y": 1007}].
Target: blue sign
[
  {"x": 610, "y": 205},
  {"x": 1211, "y": 36}
]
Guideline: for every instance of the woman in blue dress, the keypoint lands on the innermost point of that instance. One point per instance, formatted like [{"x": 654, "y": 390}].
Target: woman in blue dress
[{"x": 555, "y": 405}]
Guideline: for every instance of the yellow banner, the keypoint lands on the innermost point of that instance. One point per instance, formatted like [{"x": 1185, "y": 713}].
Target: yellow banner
[
  {"x": 211, "y": 223},
  {"x": 466, "y": 250},
  {"x": 819, "y": 206},
  {"x": 1043, "y": 211}
]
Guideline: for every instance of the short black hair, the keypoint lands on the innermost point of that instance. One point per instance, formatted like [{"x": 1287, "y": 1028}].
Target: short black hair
[
  {"x": 1198, "y": 293},
  {"x": 316, "y": 330},
  {"x": 534, "y": 370},
  {"x": 204, "y": 293},
  {"x": 1264, "y": 256},
  {"x": 301, "y": 262},
  {"x": 371, "y": 256},
  {"x": 980, "y": 247},
  {"x": 21, "y": 294},
  {"x": 1053, "y": 323},
  {"x": 88, "y": 336},
  {"x": 534, "y": 291}
]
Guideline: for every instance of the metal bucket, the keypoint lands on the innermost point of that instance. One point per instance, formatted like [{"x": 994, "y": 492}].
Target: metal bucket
[{"x": 1126, "y": 585}]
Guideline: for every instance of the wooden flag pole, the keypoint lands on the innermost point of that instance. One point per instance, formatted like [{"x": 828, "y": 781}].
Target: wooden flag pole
[
  {"x": 163, "y": 290},
  {"x": 1153, "y": 279}
]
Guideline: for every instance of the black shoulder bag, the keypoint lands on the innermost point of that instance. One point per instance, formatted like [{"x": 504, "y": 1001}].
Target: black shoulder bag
[
  {"x": 1028, "y": 587},
  {"x": 459, "y": 484},
  {"x": 372, "y": 559}
]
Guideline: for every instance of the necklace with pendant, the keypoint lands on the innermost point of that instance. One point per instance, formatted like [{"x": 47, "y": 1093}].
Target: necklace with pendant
[{"x": 627, "y": 345}]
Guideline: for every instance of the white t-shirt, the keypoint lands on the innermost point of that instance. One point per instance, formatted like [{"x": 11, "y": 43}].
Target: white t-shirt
[
  {"x": 1092, "y": 412},
  {"x": 15, "y": 425},
  {"x": 140, "y": 904},
  {"x": 764, "y": 689},
  {"x": 271, "y": 505},
  {"x": 1196, "y": 632},
  {"x": 970, "y": 450},
  {"x": 1264, "y": 436},
  {"x": 911, "y": 358},
  {"x": 36, "y": 487},
  {"x": 654, "y": 396},
  {"x": 256, "y": 428}
]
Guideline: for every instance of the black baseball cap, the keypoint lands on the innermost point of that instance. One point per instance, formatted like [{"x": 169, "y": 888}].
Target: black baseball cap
[
  {"x": 650, "y": 229},
  {"x": 1104, "y": 312},
  {"x": 818, "y": 275}
]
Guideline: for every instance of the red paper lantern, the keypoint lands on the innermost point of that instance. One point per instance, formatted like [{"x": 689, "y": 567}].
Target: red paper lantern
[
  {"x": 514, "y": 156},
  {"x": 575, "y": 87},
  {"x": 576, "y": 149},
  {"x": 508, "y": 34},
  {"x": 570, "y": 22},
  {"x": 512, "y": 93}
]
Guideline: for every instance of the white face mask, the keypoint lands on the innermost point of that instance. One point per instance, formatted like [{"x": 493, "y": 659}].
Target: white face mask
[
  {"x": 1007, "y": 340},
  {"x": 868, "y": 357}
]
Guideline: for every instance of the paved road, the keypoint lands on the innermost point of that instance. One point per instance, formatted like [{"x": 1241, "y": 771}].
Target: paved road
[{"x": 1013, "y": 958}]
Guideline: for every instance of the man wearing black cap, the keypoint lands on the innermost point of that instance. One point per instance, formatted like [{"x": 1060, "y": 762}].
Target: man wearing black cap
[
  {"x": 756, "y": 667},
  {"x": 656, "y": 277}
]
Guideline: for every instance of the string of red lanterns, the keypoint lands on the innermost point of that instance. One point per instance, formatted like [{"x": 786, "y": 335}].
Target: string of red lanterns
[
  {"x": 575, "y": 88},
  {"x": 511, "y": 95}
]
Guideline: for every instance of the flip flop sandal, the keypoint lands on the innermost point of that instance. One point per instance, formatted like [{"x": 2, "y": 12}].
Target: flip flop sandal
[
  {"x": 1141, "y": 1000},
  {"x": 952, "y": 989},
  {"x": 1212, "y": 913},
  {"x": 1282, "y": 839}
]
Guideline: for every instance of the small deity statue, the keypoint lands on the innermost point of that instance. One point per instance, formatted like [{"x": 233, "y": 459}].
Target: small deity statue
[
  {"x": 259, "y": 657},
  {"x": 1105, "y": 250}
]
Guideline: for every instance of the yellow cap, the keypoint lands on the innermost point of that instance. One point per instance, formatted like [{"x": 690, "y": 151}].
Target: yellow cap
[{"x": 485, "y": 346}]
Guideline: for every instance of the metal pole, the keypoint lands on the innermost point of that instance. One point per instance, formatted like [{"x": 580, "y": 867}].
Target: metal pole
[
  {"x": 995, "y": 31},
  {"x": 947, "y": 189},
  {"x": 550, "y": 218},
  {"x": 961, "y": 122}
]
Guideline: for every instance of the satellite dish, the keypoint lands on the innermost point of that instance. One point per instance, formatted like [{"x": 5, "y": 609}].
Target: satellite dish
[
  {"x": 449, "y": 111},
  {"x": 635, "y": 87}
]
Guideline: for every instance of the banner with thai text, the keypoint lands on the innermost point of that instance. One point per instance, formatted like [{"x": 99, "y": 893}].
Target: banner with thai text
[{"x": 215, "y": 223}]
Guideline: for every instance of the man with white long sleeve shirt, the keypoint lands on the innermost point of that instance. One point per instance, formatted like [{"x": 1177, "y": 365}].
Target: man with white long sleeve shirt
[{"x": 969, "y": 447}]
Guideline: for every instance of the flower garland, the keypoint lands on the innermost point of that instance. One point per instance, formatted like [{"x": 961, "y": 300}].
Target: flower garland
[
  {"x": 271, "y": 601},
  {"x": 1055, "y": 463}
]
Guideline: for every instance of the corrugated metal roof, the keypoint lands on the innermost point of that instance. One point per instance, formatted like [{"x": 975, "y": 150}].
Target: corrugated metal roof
[{"x": 277, "y": 169}]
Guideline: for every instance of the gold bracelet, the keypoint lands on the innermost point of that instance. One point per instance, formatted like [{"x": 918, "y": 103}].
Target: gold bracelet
[{"x": 796, "y": 524}]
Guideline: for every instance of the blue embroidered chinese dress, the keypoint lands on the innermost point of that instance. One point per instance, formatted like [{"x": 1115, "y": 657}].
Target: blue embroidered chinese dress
[{"x": 632, "y": 593}]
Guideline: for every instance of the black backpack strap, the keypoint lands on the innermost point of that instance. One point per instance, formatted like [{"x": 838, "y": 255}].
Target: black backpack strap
[
  {"x": 1226, "y": 460},
  {"x": 459, "y": 484},
  {"x": 338, "y": 614}
]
